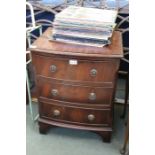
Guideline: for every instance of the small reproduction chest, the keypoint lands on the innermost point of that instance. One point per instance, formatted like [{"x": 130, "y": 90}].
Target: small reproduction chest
[{"x": 76, "y": 84}]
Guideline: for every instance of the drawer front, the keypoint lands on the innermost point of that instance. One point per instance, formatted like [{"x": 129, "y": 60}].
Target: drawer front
[
  {"x": 74, "y": 93},
  {"x": 78, "y": 70},
  {"x": 74, "y": 114}
]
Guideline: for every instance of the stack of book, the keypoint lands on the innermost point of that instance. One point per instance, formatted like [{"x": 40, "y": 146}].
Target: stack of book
[{"x": 85, "y": 26}]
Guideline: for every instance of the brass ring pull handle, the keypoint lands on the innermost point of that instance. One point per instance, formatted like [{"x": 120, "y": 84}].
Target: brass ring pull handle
[
  {"x": 56, "y": 112},
  {"x": 91, "y": 117},
  {"x": 53, "y": 68},
  {"x": 93, "y": 72},
  {"x": 54, "y": 92},
  {"x": 92, "y": 96}
]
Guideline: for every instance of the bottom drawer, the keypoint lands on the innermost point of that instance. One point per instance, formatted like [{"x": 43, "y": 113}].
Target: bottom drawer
[{"x": 75, "y": 114}]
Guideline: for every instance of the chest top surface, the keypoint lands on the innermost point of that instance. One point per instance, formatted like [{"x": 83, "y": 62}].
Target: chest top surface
[{"x": 45, "y": 46}]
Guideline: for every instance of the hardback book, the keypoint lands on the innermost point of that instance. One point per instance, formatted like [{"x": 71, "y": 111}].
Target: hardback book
[
  {"x": 76, "y": 14},
  {"x": 85, "y": 34},
  {"x": 67, "y": 25},
  {"x": 81, "y": 40},
  {"x": 76, "y": 42},
  {"x": 83, "y": 25}
]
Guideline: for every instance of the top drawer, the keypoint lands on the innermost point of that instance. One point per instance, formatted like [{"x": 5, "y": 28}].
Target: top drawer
[{"x": 78, "y": 70}]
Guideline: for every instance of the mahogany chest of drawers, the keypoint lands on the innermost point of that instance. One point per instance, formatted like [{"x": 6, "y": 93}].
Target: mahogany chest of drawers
[{"x": 76, "y": 84}]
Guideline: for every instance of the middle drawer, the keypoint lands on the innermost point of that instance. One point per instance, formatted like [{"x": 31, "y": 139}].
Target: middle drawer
[{"x": 74, "y": 93}]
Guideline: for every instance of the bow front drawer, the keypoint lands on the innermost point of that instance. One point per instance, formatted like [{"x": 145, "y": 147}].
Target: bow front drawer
[
  {"x": 74, "y": 93},
  {"x": 74, "y": 114},
  {"x": 73, "y": 69}
]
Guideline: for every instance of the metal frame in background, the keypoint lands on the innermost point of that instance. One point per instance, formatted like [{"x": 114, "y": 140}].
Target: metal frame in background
[{"x": 28, "y": 36}]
